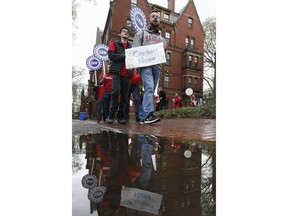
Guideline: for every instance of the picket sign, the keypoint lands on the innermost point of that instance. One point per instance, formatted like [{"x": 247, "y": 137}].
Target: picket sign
[
  {"x": 143, "y": 56},
  {"x": 141, "y": 200}
]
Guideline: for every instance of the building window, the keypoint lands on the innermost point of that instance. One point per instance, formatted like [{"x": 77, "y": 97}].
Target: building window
[
  {"x": 186, "y": 41},
  {"x": 167, "y": 37},
  {"x": 195, "y": 83},
  {"x": 196, "y": 61},
  {"x": 166, "y": 16},
  {"x": 168, "y": 58},
  {"x": 190, "y": 60},
  {"x": 190, "y": 82},
  {"x": 190, "y": 21},
  {"x": 128, "y": 23},
  {"x": 134, "y": 2},
  {"x": 166, "y": 81},
  {"x": 184, "y": 61},
  {"x": 192, "y": 42}
]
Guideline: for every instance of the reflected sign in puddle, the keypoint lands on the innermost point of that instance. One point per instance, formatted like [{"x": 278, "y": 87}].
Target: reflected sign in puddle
[{"x": 121, "y": 174}]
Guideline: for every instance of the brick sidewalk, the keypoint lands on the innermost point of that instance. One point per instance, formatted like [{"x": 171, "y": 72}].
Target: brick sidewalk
[{"x": 189, "y": 128}]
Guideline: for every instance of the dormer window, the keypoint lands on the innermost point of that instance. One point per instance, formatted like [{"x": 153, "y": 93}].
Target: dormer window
[{"x": 190, "y": 22}]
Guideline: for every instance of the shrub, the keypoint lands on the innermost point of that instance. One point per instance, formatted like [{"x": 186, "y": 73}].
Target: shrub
[{"x": 208, "y": 111}]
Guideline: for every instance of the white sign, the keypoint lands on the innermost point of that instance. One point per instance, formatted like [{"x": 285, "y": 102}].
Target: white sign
[
  {"x": 141, "y": 200},
  {"x": 143, "y": 56}
]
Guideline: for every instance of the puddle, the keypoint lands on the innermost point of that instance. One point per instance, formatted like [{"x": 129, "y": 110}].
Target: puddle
[{"x": 137, "y": 174}]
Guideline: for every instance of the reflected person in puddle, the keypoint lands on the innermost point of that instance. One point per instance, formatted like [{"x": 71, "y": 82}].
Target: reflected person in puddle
[{"x": 131, "y": 165}]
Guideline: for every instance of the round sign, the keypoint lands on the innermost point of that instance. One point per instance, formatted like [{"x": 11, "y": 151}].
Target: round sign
[
  {"x": 189, "y": 91},
  {"x": 187, "y": 153},
  {"x": 138, "y": 18},
  {"x": 101, "y": 52},
  {"x": 89, "y": 181},
  {"x": 96, "y": 194},
  {"x": 93, "y": 63}
]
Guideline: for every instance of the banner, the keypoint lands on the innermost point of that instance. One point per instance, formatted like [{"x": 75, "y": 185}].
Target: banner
[
  {"x": 143, "y": 56},
  {"x": 141, "y": 200},
  {"x": 138, "y": 18}
]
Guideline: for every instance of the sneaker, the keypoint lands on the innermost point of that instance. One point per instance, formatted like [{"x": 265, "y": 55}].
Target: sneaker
[
  {"x": 122, "y": 121},
  {"x": 141, "y": 121},
  {"x": 151, "y": 119},
  {"x": 110, "y": 119}
]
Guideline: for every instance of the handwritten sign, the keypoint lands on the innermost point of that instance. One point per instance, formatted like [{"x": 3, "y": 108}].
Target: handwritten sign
[
  {"x": 145, "y": 56},
  {"x": 141, "y": 200}
]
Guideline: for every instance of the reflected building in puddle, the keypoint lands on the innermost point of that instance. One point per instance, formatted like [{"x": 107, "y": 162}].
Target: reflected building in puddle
[{"x": 143, "y": 175}]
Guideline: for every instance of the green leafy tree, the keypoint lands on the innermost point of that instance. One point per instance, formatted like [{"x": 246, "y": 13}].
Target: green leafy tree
[{"x": 209, "y": 27}]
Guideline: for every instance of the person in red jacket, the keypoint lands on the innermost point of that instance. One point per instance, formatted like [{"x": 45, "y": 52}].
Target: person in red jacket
[
  {"x": 99, "y": 106},
  {"x": 106, "y": 80},
  {"x": 176, "y": 101}
]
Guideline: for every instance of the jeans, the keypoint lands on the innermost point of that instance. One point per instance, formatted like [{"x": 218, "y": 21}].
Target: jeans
[
  {"x": 135, "y": 91},
  {"x": 150, "y": 77}
]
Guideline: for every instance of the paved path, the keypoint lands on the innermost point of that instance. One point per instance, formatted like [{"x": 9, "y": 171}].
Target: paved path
[{"x": 189, "y": 128}]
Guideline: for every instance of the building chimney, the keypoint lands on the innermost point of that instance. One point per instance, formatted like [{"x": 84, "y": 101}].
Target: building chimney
[{"x": 171, "y": 5}]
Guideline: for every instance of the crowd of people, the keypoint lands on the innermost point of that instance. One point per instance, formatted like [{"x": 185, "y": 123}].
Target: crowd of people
[{"x": 116, "y": 85}]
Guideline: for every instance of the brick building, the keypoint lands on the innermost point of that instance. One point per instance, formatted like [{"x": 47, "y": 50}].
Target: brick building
[{"x": 185, "y": 38}]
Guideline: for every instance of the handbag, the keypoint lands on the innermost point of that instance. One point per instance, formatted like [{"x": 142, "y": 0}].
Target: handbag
[{"x": 136, "y": 78}]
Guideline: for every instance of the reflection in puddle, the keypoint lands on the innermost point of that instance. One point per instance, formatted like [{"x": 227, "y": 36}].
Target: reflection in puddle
[{"x": 120, "y": 174}]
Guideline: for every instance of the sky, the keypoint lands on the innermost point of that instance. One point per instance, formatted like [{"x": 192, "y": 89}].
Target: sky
[{"x": 92, "y": 16}]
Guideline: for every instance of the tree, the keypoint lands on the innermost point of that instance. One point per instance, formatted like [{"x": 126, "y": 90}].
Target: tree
[
  {"x": 77, "y": 78},
  {"x": 209, "y": 27}
]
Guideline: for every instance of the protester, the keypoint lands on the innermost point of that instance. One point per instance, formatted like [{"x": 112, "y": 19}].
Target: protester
[
  {"x": 177, "y": 101},
  {"x": 161, "y": 101},
  {"x": 121, "y": 76},
  {"x": 150, "y": 74},
  {"x": 106, "y": 80},
  {"x": 134, "y": 90},
  {"x": 99, "y": 106}
]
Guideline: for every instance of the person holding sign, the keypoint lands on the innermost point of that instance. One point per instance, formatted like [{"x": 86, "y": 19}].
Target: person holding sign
[
  {"x": 121, "y": 76},
  {"x": 150, "y": 74}
]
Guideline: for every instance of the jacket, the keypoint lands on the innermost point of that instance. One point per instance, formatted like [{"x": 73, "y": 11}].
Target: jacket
[{"x": 117, "y": 57}]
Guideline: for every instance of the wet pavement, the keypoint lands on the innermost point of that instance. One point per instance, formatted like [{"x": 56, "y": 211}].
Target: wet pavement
[
  {"x": 189, "y": 128},
  {"x": 167, "y": 168}
]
